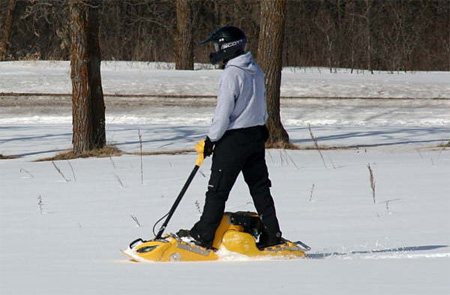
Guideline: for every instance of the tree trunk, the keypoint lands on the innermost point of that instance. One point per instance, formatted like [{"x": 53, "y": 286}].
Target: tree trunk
[
  {"x": 184, "y": 48},
  {"x": 88, "y": 108},
  {"x": 369, "y": 35},
  {"x": 7, "y": 28},
  {"x": 270, "y": 48}
]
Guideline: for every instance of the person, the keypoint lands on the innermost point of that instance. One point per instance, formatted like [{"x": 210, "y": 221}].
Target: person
[{"x": 236, "y": 139}]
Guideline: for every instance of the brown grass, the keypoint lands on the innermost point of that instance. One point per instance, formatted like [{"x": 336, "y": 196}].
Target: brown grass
[
  {"x": 327, "y": 148},
  {"x": 110, "y": 150},
  {"x": 107, "y": 151},
  {"x": 281, "y": 145},
  {"x": 444, "y": 145},
  {"x": 172, "y": 152},
  {"x": 372, "y": 183},
  {"x": 5, "y": 157},
  {"x": 291, "y": 146}
]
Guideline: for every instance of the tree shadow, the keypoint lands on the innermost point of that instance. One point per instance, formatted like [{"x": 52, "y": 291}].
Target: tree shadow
[
  {"x": 381, "y": 137},
  {"x": 27, "y": 138},
  {"x": 40, "y": 152},
  {"x": 169, "y": 135}
]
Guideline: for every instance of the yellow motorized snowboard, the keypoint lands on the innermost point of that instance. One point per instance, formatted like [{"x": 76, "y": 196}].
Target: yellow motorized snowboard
[{"x": 236, "y": 233}]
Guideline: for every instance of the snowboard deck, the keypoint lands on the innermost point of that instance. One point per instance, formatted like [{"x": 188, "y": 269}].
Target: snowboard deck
[{"x": 175, "y": 249}]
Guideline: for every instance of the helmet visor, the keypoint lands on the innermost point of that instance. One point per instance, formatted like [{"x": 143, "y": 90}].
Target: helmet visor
[{"x": 216, "y": 46}]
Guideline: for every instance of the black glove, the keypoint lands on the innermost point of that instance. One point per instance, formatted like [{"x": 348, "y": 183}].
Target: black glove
[{"x": 208, "y": 148}]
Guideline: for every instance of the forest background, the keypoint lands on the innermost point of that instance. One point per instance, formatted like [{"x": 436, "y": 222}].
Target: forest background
[{"x": 393, "y": 35}]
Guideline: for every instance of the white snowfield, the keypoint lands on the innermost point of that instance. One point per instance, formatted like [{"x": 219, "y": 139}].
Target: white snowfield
[
  {"x": 62, "y": 223},
  {"x": 121, "y": 77}
]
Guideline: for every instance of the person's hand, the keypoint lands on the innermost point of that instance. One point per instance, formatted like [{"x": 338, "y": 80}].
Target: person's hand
[{"x": 208, "y": 148}]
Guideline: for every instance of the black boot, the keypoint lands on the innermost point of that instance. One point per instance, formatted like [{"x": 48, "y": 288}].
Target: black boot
[
  {"x": 186, "y": 235},
  {"x": 266, "y": 240}
]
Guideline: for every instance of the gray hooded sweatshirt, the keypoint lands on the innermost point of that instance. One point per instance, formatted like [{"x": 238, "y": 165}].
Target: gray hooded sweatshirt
[{"x": 241, "y": 98}]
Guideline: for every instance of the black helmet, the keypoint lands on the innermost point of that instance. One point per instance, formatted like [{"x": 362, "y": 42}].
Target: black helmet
[{"x": 228, "y": 42}]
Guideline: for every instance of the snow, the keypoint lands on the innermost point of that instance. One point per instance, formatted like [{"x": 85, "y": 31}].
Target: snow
[
  {"x": 121, "y": 77},
  {"x": 60, "y": 233}
]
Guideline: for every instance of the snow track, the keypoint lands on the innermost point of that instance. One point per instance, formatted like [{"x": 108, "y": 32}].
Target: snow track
[{"x": 395, "y": 253}]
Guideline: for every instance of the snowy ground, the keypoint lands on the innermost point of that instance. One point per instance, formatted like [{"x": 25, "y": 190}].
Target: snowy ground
[
  {"x": 60, "y": 232},
  {"x": 158, "y": 78}
]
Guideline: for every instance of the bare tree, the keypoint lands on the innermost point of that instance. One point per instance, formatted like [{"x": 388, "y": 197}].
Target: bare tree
[
  {"x": 270, "y": 48},
  {"x": 326, "y": 26},
  {"x": 88, "y": 107},
  {"x": 367, "y": 17},
  {"x": 184, "y": 49},
  {"x": 7, "y": 29},
  {"x": 359, "y": 34}
]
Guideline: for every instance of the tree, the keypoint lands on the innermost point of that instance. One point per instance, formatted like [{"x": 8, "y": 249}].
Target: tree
[
  {"x": 270, "y": 48},
  {"x": 88, "y": 107},
  {"x": 7, "y": 29},
  {"x": 184, "y": 49}
]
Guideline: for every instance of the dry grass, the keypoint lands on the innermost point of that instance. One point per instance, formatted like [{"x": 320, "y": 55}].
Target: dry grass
[
  {"x": 107, "y": 151},
  {"x": 444, "y": 145},
  {"x": 439, "y": 147},
  {"x": 327, "y": 148},
  {"x": 110, "y": 151},
  {"x": 172, "y": 152},
  {"x": 5, "y": 157},
  {"x": 281, "y": 145},
  {"x": 291, "y": 146},
  {"x": 372, "y": 183}
]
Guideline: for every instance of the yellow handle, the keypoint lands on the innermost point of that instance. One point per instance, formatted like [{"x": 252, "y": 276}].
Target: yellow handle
[{"x": 200, "y": 147}]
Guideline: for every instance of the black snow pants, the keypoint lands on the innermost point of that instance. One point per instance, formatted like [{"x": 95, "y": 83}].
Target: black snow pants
[{"x": 238, "y": 150}]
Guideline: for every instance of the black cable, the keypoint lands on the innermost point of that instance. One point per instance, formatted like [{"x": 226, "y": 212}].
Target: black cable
[{"x": 156, "y": 223}]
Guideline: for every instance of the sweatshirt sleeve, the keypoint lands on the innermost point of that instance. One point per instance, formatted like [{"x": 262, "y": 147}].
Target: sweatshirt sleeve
[{"x": 228, "y": 92}]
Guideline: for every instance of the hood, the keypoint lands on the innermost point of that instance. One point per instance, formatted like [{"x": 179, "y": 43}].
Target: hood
[{"x": 244, "y": 61}]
